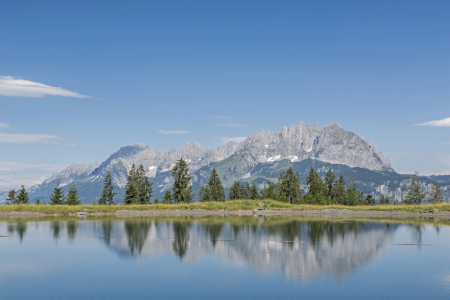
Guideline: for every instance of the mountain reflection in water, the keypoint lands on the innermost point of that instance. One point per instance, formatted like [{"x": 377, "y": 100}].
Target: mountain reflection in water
[{"x": 300, "y": 249}]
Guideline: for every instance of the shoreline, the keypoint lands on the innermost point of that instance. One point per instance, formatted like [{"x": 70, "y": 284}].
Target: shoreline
[{"x": 331, "y": 213}]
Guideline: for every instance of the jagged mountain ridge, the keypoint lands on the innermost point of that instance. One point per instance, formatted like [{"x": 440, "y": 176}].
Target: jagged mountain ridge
[{"x": 234, "y": 161}]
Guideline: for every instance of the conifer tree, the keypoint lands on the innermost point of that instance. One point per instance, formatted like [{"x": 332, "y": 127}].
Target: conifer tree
[
  {"x": 205, "y": 193},
  {"x": 415, "y": 192},
  {"x": 384, "y": 200},
  {"x": 167, "y": 199},
  {"x": 270, "y": 191},
  {"x": 235, "y": 191},
  {"x": 22, "y": 196},
  {"x": 244, "y": 191},
  {"x": 38, "y": 201},
  {"x": 436, "y": 195},
  {"x": 182, "y": 189},
  {"x": 72, "y": 196},
  {"x": 132, "y": 187},
  {"x": 11, "y": 196},
  {"x": 339, "y": 191},
  {"x": 156, "y": 201},
  {"x": 329, "y": 181},
  {"x": 318, "y": 191},
  {"x": 354, "y": 196},
  {"x": 254, "y": 194},
  {"x": 215, "y": 187},
  {"x": 108, "y": 191},
  {"x": 57, "y": 198},
  {"x": 370, "y": 200},
  {"x": 289, "y": 186},
  {"x": 145, "y": 186}
]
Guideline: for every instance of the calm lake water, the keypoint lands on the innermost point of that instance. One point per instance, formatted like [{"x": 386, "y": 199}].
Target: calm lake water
[{"x": 223, "y": 258}]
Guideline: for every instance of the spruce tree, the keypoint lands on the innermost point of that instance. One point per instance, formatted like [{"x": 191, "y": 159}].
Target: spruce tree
[
  {"x": 215, "y": 187},
  {"x": 145, "y": 186},
  {"x": 254, "y": 194},
  {"x": 244, "y": 191},
  {"x": 289, "y": 186},
  {"x": 436, "y": 195},
  {"x": 205, "y": 194},
  {"x": 415, "y": 192},
  {"x": 318, "y": 191},
  {"x": 22, "y": 196},
  {"x": 269, "y": 191},
  {"x": 182, "y": 189},
  {"x": 167, "y": 199},
  {"x": 132, "y": 192},
  {"x": 156, "y": 201},
  {"x": 235, "y": 191},
  {"x": 354, "y": 196},
  {"x": 339, "y": 191},
  {"x": 370, "y": 200},
  {"x": 384, "y": 200},
  {"x": 11, "y": 196},
  {"x": 329, "y": 181},
  {"x": 72, "y": 196},
  {"x": 38, "y": 201},
  {"x": 108, "y": 191},
  {"x": 57, "y": 198}
]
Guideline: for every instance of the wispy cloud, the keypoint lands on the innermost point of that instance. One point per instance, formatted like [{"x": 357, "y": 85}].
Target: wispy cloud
[
  {"x": 226, "y": 140},
  {"x": 17, "y": 87},
  {"x": 437, "y": 123},
  {"x": 396, "y": 153},
  {"x": 19, "y": 138},
  {"x": 232, "y": 125},
  {"x": 446, "y": 143},
  {"x": 4, "y": 126},
  {"x": 220, "y": 117},
  {"x": 13, "y": 174},
  {"x": 173, "y": 131}
]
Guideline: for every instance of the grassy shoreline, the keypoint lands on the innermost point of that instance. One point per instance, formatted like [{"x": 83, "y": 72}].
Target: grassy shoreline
[{"x": 214, "y": 206}]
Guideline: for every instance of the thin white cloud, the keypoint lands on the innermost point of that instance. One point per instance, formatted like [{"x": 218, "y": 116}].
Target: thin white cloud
[
  {"x": 13, "y": 174},
  {"x": 17, "y": 87},
  {"x": 220, "y": 117},
  {"x": 173, "y": 131},
  {"x": 4, "y": 126},
  {"x": 232, "y": 125},
  {"x": 226, "y": 140},
  {"x": 437, "y": 123},
  {"x": 20, "y": 138}
]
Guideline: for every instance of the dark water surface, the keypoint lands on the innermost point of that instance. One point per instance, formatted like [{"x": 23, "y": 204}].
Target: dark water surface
[{"x": 223, "y": 258}]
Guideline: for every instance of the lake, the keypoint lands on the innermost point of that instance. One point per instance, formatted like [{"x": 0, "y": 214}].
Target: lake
[{"x": 223, "y": 258}]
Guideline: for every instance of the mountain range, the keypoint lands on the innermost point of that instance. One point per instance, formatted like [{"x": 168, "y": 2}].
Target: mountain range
[{"x": 260, "y": 157}]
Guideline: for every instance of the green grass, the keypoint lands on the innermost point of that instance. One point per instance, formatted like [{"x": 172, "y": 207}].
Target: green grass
[{"x": 229, "y": 205}]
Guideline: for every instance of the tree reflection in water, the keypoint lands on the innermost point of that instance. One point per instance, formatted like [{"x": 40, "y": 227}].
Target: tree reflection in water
[
  {"x": 137, "y": 232},
  {"x": 71, "y": 230},
  {"x": 181, "y": 237}
]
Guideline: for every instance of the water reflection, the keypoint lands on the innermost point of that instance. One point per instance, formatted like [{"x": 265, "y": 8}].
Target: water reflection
[
  {"x": 300, "y": 248},
  {"x": 137, "y": 232},
  {"x": 19, "y": 227},
  {"x": 56, "y": 228},
  {"x": 71, "y": 230}
]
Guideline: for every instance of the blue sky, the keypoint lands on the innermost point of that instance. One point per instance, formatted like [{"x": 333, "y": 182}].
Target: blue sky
[{"x": 165, "y": 72}]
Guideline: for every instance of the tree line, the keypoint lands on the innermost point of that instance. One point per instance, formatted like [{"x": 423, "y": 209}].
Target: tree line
[{"x": 288, "y": 188}]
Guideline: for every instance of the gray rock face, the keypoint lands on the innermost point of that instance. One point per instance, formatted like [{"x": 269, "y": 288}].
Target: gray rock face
[{"x": 332, "y": 144}]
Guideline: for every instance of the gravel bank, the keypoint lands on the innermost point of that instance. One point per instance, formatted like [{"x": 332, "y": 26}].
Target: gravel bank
[{"x": 334, "y": 213}]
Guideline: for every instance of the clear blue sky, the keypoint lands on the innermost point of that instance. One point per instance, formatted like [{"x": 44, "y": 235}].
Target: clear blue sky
[{"x": 153, "y": 68}]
